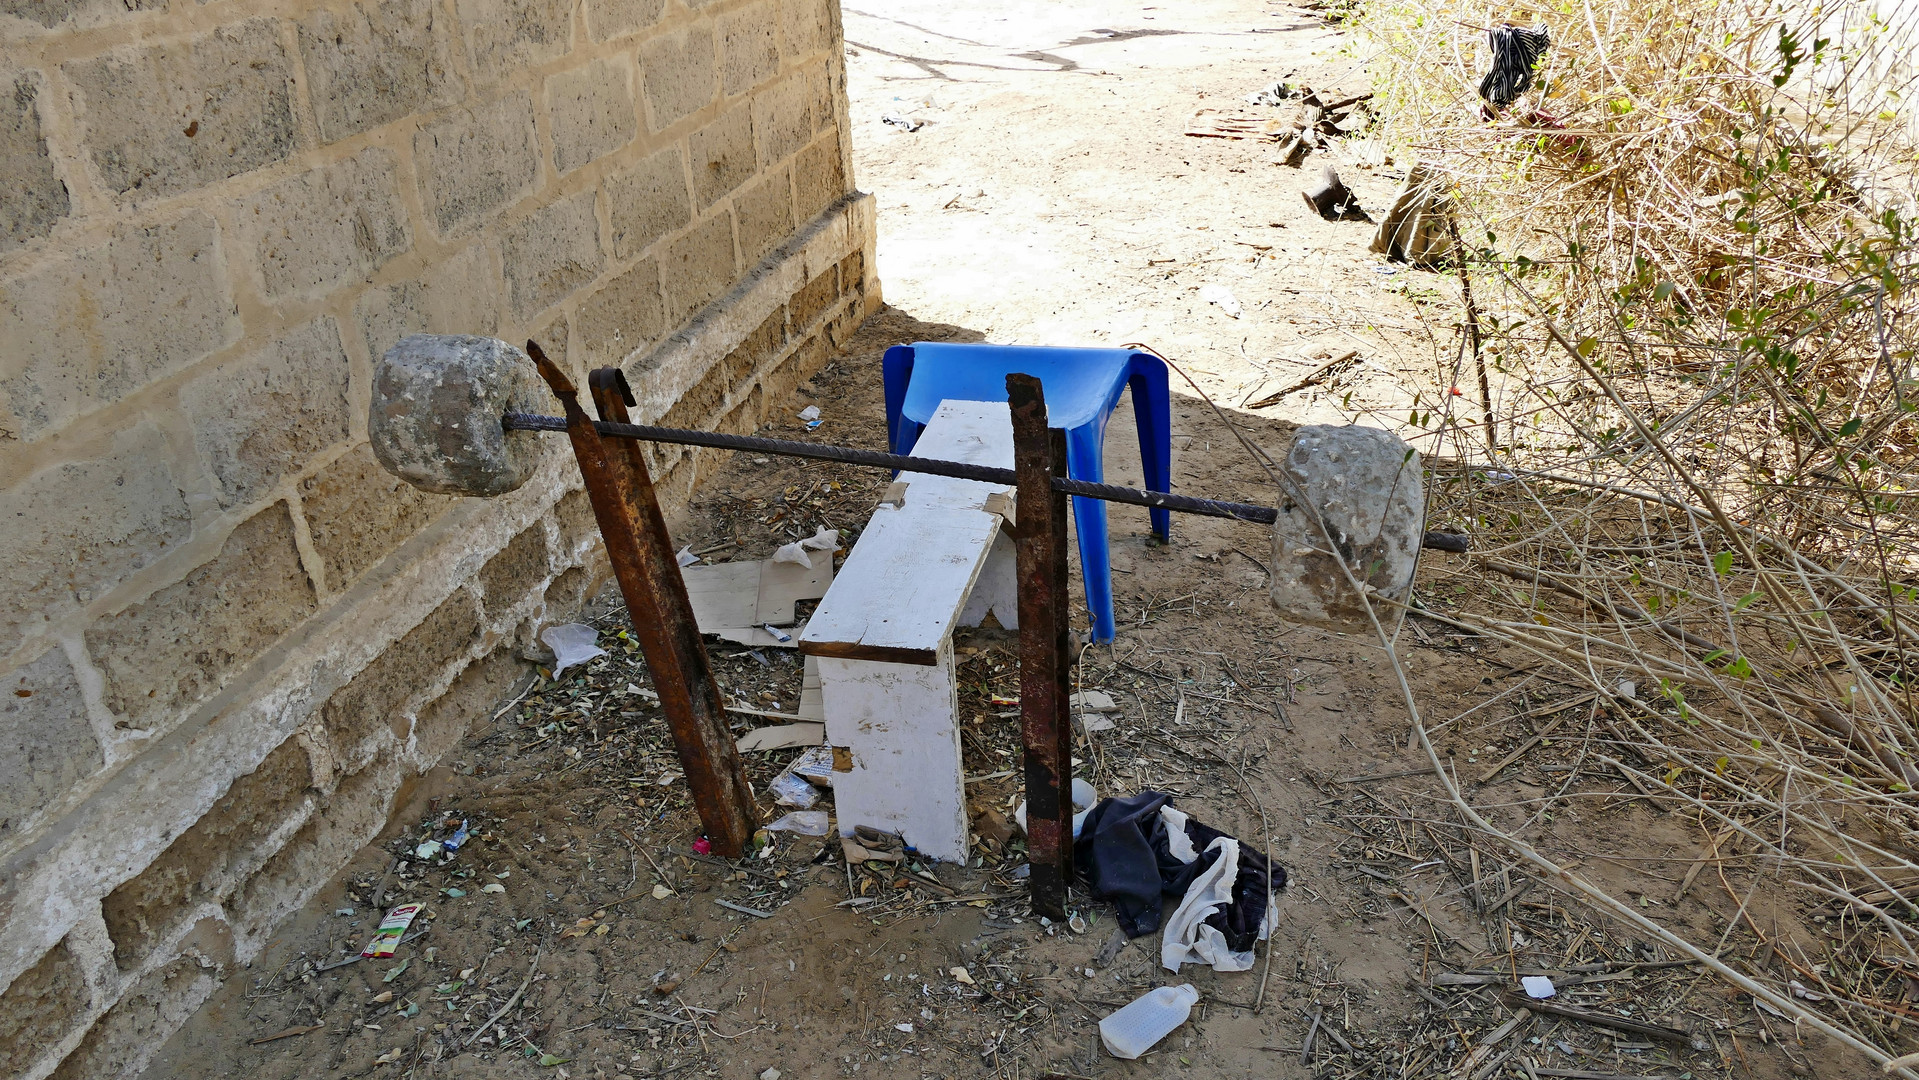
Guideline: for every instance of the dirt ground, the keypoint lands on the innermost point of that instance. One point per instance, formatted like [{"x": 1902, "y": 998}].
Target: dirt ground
[{"x": 1050, "y": 195}]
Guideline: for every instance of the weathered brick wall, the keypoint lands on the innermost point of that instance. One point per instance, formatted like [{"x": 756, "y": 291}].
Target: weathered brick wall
[{"x": 227, "y": 638}]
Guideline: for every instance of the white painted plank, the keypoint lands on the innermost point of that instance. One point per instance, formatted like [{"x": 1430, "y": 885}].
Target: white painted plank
[
  {"x": 909, "y": 576},
  {"x": 974, "y": 432},
  {"x": 997, "y": 588},
  {"x": 899, "y": 723},
  {"x": 906, "y": 580}
]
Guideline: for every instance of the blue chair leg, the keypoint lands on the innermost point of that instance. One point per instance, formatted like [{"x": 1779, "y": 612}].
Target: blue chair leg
[
  {"x": 1089, "y": 516},
  {"x": 896, "y": 371},
  {"x": 1153, "y": 415}
]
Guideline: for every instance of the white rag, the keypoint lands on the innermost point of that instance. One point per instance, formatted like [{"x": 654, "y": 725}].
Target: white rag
[{"x": 1187, "y": 939}]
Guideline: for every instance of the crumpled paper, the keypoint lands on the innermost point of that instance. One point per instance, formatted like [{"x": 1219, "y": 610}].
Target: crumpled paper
[{"x": 827, "y": 540}]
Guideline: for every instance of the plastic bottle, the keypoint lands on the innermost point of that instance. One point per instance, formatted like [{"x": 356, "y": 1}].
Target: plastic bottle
[{"x": 1140, "y": 1025}]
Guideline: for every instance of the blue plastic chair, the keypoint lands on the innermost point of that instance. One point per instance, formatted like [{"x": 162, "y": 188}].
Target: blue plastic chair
[{"x": 1081, "y": 387}]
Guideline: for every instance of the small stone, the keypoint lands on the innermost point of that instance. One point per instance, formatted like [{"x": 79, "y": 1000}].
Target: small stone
[{"x": 770, "y": 1074}]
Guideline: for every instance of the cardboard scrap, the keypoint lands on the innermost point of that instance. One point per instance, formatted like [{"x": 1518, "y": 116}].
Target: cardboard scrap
[{"x": 740, "y": 600}]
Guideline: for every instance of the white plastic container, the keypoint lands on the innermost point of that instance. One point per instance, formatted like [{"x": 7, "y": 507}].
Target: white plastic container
[{"x": 1139, "y": 1026}]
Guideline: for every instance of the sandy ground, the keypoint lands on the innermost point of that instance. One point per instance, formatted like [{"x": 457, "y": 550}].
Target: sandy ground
[{"x": 1051, "y": 196}]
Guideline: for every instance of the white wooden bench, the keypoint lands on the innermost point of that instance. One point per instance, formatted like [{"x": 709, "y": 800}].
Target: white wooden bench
[{"x": 883, "y": 636}]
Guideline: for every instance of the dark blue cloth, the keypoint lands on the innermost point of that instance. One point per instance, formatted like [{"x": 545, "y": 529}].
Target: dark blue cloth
[{"x": 1124, "y": 855}]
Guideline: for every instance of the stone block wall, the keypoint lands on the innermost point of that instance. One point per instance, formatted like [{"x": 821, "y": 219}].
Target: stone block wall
[{"x": 227, "y": 637}]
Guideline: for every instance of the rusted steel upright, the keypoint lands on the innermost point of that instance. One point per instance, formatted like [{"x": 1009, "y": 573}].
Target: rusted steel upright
[
  {"x": 637, "y": 545},
  {"x": 1039, "y": 454}
]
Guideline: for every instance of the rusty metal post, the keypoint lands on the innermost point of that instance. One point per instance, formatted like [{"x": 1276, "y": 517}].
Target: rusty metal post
[
  {"x": 642, "y": 556},
  {"x": 1045, "y": 656}
]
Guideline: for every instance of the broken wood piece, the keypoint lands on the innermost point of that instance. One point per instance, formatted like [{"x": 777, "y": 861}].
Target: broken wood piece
[
  {"x": 1317, "y": 375},
  {"x": 1617, "y": 1023},
  {"x": 784, "y": 736},
  {"x": 1486, "y": 1045},
  {"x": 895, "y": 496},
  {"x": 1005, "y": 504},
  {"x": 1213, "y": 124},
  {"x": 1306, "y": 1046},
  {"x": 1294, "y": 151},
  {"x": 287, "y": 1034},
  {"x": 1460, "y": 978},
  {"x": 1496, "y": 769},
  {"x": 1708, "y": 853}
]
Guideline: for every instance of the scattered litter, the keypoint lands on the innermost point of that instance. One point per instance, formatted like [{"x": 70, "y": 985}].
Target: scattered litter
[
  {"x": 871, "y": 845},
  {"x": 1077, "y": 924},
  {"x": 702, "y": 846},
  {"x": 1537, "y": 987},
  {"x": 794, "y": 791},
  {"x": 779, "y": 635},
  {"x": 1097, "y": 723},
  {"x": 492, "y": 887},
  {"x": 1094, "y": 701},
  {"x": 1799, "y": 991},
  {"x": 827, "y": 540},
  {"x": 392, "y": 928},
  {"x": 1627, "y": 689},
  {"x": 428, "y": 850},
  {"x": 1222, "y": 296},
  {"x": 770, "y": 1074},
  {"x": 1277, "y": 94},
  {"x": 908, "y": 1028},
  {"x": 1141, "y": 1024},
  {"x": 962, "y": 975},
  {"x": 1084, "y": 796},
  {"x": 346, "y": 911},
  {"x": 453, "y": 843},
  {"x": 904, "y": 123},
  {"x": 783, "y": 736},
  {"x": 686, "y": 557},
  {"x": 811, "y": 414},
  {"x": 816, "y": 765},
  {"x": 394, "y": 974},
  {"x": 802, "y": 823},
  {"x": 1136, "y": 850},
  {"x": 572, "y": 644},
  {"x": 1333, "y": 200}
]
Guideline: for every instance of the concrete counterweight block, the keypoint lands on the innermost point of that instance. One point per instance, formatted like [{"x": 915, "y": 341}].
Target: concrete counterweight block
[
  {"x": 435, "y": 417},
  {"x": 1363, "y": 486}
]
